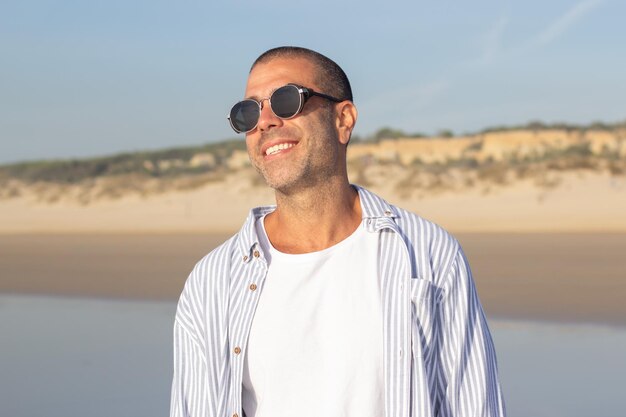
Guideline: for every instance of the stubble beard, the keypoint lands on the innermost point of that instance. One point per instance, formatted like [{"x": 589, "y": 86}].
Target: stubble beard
[
  {"x": 313, "y": 167},
  {"x": 294, "y": 174}
]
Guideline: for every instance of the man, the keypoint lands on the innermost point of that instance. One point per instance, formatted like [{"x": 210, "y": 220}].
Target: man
[{"x": 333, "y": 302}]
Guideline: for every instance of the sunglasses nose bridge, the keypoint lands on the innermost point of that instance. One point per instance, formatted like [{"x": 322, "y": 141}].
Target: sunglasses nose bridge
[
  {"x": 261, "y": 101},
  {"x": 267, "y": 117}
]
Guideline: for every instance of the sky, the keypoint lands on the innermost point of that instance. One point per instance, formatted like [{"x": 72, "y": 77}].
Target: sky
[{"x": 89, "y": 78}]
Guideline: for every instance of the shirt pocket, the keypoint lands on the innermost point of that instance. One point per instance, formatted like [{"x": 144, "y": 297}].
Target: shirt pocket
[{"x": 423, "y": 313}]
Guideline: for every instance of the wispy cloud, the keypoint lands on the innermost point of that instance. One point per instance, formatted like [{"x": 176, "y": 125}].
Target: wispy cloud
[
  {"x": 492, "y": 41},
  {"x": 562, "y": 24},
  {"x": 493, "y": 50},
  {"x": 488, "y": 45}
]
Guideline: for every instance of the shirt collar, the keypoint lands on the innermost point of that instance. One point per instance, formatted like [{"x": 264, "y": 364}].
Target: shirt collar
[{"x": 373, "y": 207}]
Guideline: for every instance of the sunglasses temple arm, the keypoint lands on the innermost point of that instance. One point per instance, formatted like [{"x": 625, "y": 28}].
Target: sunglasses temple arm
[{"x": 327, "y": 97}]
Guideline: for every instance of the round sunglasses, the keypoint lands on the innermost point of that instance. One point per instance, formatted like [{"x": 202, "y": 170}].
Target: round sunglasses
[{"x": 286, "y": 102}]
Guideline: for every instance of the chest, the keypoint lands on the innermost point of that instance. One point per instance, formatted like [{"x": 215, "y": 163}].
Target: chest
[{"x": 309, "y": 301}]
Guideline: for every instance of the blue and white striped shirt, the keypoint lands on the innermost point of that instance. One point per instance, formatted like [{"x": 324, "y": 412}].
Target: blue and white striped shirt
[{"x": 439, "y": 358}]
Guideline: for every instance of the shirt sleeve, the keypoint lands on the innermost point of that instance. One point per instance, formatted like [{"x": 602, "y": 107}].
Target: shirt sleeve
[
  {"x": 468, "y": 377},
  {"x": 188, "y": 397}
]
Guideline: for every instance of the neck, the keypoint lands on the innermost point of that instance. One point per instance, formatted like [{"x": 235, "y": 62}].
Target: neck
[{"x": 314, "y": 218}]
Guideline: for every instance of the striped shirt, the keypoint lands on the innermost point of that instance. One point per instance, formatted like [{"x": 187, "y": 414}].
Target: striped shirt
[{"x": 439, "y": 358}]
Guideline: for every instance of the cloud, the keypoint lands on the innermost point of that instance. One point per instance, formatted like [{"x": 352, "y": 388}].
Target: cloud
[
  {"x": 562, "y": 24},
  {"x": 492, "y": 41},
  {"x": 554, "y": 30},
  {"x": 488, "y": 46}
]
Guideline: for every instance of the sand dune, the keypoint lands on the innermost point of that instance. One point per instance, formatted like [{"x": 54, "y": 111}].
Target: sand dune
[
  {"x": 582, "y": 202},
  {"x": 510, "y": 181},
  {"x": 129, "y": 236}
]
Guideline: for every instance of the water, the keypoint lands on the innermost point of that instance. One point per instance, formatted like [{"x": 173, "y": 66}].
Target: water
[
  {"x": 553, "y": 370},
  {"x": 75, "y": 356}
]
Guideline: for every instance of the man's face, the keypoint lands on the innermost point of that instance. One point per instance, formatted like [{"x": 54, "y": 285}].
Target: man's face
[{"x": 299, "y": 152}]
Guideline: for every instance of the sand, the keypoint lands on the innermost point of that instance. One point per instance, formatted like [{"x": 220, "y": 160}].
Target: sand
[
  {"x": 583, "y": 202},
  {"x": 574, "y": 277},
  {"x": 537, "y": 252}
]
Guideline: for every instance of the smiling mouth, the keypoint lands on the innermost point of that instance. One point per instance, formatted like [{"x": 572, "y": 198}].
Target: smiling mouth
[{"x": 272, "y": 150}]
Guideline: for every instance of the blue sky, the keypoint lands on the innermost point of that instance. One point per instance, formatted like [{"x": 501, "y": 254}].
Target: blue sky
[{"x": 83, "y": 78}]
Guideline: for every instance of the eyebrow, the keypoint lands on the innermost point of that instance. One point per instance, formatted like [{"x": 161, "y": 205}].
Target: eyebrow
[{"x": 257, "y": 98}]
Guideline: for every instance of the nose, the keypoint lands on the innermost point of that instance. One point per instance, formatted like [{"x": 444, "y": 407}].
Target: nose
[{"x": 267, "y": 118}]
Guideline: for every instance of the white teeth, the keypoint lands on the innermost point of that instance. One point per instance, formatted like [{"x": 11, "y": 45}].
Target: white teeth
[{"x": 277, "y": 148}]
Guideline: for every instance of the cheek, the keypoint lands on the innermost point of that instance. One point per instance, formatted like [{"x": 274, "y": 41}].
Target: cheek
[
  {"x": 250, "y": 143},
  {"x": 252, "y": 150}
]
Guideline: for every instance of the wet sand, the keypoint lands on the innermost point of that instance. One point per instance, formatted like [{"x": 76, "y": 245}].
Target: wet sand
[
  {"x": 574, "y": 277},
  {"x": 564, "y": 277}
]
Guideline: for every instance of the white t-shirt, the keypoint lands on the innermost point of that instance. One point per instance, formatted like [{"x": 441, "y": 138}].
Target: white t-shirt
[{"x": 316, "y": 343}]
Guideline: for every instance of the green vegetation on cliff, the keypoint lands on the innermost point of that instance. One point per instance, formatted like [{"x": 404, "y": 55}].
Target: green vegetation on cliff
[
  {"x": 193, "y": 166},
  {"x": 161, "y": 163}
]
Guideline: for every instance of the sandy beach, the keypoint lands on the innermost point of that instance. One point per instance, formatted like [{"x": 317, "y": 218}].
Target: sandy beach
[
  {"x": 540, "y": 215},
  {"x": 583, "y": 202},
  {"x": 574, "y": 277}
]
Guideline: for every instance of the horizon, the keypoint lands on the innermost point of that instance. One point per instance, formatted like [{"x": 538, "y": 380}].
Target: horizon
[
  {"x": 357, "y": 139},
  {"x": 371, "y": 138},
  {"x": 88, "y": 80}
]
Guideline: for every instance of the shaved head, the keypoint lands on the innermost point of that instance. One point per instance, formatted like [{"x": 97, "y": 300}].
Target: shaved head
[{"x": 329, "y": 76}]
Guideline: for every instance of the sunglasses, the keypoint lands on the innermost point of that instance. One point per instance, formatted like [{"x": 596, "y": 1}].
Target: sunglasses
[{"x": 286, "y": 102}]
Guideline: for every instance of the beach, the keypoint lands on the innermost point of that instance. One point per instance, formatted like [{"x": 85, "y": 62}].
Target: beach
[
  {"x": 583, "y": 202},
  {"x": 90, "y": 271},
  {"x": 539, "y": 213},
  {"x": 566, "y": 277}
]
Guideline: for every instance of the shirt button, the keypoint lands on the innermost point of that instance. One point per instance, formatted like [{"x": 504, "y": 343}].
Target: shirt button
[
  {"x": 235, "y": 415},
  {"x": 252, "y": 287},
  {"x": 237, "y": 350},
  {"x": 256, "y": 254},
  {"x": 245, "y": 258},
  {"x": 387, "y": 213}
]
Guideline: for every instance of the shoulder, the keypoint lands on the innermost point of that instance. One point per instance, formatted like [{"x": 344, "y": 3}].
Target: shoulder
[
  {"x": 412, "y": 226},
  {"x": 214, "y": 270},
  {"x": 420, "y": 230},
  {"x": 213, "y": 266},
  {"x": 205, "y": 295},
  {"x": 431, "y": 247},
  {"x": 206, "y": 286}
]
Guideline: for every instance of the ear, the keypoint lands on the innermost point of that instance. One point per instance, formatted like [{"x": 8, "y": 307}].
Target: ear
[{"x": 346, "y": 119}]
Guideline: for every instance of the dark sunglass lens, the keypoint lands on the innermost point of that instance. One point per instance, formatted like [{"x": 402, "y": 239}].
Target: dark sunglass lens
[
  {"x": 286, "y": 101},
  {"x": 244, "y": 115}
]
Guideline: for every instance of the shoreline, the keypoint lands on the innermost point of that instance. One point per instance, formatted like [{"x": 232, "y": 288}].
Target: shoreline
[
  {"x": 564, "y": 277},
  {"x": 500, "y": 318}
]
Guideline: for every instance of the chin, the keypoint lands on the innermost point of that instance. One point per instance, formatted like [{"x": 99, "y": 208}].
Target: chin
[
  {"x": 284, "y": 185},
  {"x": 279, "y": 179}
]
